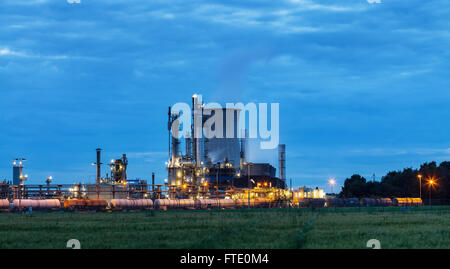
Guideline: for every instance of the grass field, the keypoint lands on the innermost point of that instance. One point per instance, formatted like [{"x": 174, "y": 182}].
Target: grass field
[{"x": 238, "y": 229}]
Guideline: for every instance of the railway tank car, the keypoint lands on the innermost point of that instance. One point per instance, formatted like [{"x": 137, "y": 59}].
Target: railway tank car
[
  {"x": 46, "y": 204},
  {"x": 85, "y": 204},
  {"x": 139, "y": 204},
  {"x": 4, "y": 205}
]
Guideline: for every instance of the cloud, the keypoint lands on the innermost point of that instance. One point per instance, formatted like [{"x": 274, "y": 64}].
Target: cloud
[
  {"x": 12, "y": 53},
  {"x": 8, "y": 52},
  {"x": 399, "y": 152}
]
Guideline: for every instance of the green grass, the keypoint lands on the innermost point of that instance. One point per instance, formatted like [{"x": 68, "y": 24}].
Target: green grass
[{"x": 235, "y": 229}]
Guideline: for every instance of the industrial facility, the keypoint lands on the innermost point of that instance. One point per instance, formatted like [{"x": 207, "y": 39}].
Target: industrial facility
[
  {"x": 213, "y": 172},
  {"x": 217, "y": 165}
]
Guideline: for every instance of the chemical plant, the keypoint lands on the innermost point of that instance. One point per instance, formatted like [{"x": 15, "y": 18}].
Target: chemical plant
[{"x": 209, "y": 173}]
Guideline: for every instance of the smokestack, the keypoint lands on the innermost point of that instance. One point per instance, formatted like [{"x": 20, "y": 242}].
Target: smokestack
[
  {"x": 197, "y": 127},
  {"x": 188, "y": 142},
  {"x": 125, "y": 166},
  {"x": 153, "y": 181},
  {"x": 282, "y": 162},
  {"x": 99, "y": 165},
  {"x": 242, "y": 154}
]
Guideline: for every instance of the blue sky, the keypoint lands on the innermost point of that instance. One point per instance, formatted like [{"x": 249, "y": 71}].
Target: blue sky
[{"x": 363, "y": 88}]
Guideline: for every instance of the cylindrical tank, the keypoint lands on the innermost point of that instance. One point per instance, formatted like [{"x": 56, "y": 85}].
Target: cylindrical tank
[
  {"x": 96, "y": 203},
  {"x": 351, "y": 202},
  {"x": 303, "y": 202},
  {"x": 368, "y": 202},
  {"x": 131, "y": 204},
  {"x": 74, "y": 203},
  {"x": 311, "y": 202},
  {"x": 37, "y": 204},
  {"x": 174, "y": 204},
  {"x": 4, "y": 204},
  {"x": 384, "y": 202},
  {"x": 262, "y": 202},
  {"x": 227, "y": 203},
  {"x": 244, "y": 202},
  {"x": 207, "y": 203},
  {"x": 335, "y": 202},
  {"x": 407, "y": 202},
  {"x": 417, "y": 201}
]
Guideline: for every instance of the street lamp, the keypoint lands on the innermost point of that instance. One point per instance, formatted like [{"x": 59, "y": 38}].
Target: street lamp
[
  {"x": 420, "y": 185},
  {"x": 332, "y": 183},
  {"x": 431, "y": 183}
]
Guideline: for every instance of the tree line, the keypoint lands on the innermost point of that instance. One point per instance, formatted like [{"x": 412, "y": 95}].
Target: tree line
[{"x": 404, "y": 183}]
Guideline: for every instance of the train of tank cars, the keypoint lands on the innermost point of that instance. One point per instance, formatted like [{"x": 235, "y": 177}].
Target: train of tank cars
[{"x": 165, "y": 204}]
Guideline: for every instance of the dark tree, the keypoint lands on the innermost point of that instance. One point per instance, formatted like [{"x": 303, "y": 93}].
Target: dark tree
[{"x": 403, "y": 183}]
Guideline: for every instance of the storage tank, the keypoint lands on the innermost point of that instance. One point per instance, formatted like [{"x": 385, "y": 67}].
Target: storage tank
[
  {"x": 131, "y": 204},
  {"x": 384, "y": 202},
  {"x": 85, "y": 204},
  {"x": 335, "y": 202},
  {"x": 407, "y": 202},
  {"x": 74, "y": 203},
  {"x": 368, "y": 202},
  {"x": 37, "y": 204},
  {"x": 207, "y": 203},
  {"x": 416, "y": 201},
  {"x": 351, "y": 202},
  {"x": 262, "y": 202},
  {"x": 174, "y": 204},
  {"x": 96, "y": 203},
  {"x": 244, "y": 203},
  {"x": 227, "y": 203},
  {"x": 311, "y": 202},
  {"x": 4, "y": 204}
]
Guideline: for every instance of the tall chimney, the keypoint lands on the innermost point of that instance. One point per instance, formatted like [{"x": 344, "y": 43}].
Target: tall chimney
[
  {"x": 188, "y": 142},
  {"x": 197, "y": 128},
  {"x": 282, "y": 162},
  {"x": 153, "y": 181},
  {"x": 99, "y": 165},
  {"x": 125, "y": 167}
]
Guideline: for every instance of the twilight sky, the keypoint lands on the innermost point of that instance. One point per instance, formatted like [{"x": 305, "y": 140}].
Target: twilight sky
[{"x": 363, "y": 88}]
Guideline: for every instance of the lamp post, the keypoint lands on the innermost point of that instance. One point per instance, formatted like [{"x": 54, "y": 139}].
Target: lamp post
[
  {"x": 420, "y": 185},
  {"x": 332, "y": 183},
  {"x": 431, "y": 182}
]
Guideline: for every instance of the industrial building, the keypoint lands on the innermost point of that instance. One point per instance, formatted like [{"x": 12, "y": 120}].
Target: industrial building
[
  {"x": 210, "y": 171},
  {"x": 219, "y": 162}
]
